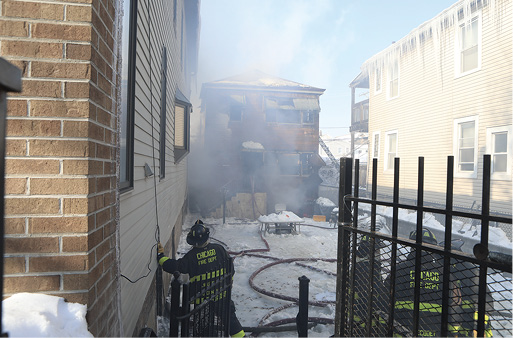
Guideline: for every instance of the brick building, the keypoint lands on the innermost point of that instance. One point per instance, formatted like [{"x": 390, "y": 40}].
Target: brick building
[{"x": 105, "y": 87}]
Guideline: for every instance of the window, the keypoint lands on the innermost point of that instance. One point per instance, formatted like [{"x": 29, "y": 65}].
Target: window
[
  {"x": 391, "y": 149},
  {"x": 468, "y": 48},
  {"x": 306, "y": 166},
  {"x": 128, "y": 43},
  {"x": 163, "y": 112},
  {"x": 281, "y": 110},
  {"x": 377, "y": 82},
  {"x": 393, "y": 80},
  {"x": 289, "y": 164},
  {"x": 499, "y": 145},
  {"x": 182, "y": 123},
  {"x": 308, "y": 117},
  {"x": 465, "y": 147},
  {"x": 375, "y": 144}
]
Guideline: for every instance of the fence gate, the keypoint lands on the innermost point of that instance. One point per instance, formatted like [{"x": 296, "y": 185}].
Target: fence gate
[
  {"x": 203, "y": 309},
  {"x": 391, "y": 285}
]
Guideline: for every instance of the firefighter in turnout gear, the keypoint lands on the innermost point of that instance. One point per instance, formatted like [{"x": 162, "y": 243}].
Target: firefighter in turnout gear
[
  {"x": 362, "y": 285},
  {"x": 467, "y": 274},
  {"x": 204, "y": 260},
  {"x": 431, "y": 285}
]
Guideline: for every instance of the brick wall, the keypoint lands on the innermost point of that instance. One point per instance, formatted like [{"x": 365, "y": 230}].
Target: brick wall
[{"x": 60, "y": 206}]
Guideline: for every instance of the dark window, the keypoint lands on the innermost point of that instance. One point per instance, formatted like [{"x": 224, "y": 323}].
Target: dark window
[
  {"x": 182, "y": 125},
  {"x": 308, "y": 117},
  {"x": 128, "y": 43},
  {"x": 236, "y": 113},
  {"x": 163, "y": 110},
  {"x": 306, "y": 166}
]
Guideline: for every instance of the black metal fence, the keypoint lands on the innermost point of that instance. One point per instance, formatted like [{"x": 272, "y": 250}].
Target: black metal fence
[
  {"x": 396, "y": 285},
  {"x": 202, "y": 308}
]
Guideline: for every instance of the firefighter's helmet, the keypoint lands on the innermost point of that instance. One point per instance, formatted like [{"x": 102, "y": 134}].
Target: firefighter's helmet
[
  {"x": 198, "y": 234},
  {"x": 427, "y": 236}
]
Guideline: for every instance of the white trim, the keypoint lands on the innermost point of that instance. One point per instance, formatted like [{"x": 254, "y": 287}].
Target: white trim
[
  {"x": 504, "y": 176},
  {"x": 457, "y": 45},
  {"x": 374, "y": 143},
  {"x": 457, "y": 122},
  {"x": 388, "y": 168}
]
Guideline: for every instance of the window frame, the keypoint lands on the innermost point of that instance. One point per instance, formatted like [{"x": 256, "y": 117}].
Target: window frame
[
  {"x": 490, "y": 145},
  {"x": 378, "y": 81},
  {"x": 392, "y": 72},
  {"x": 374, "y": 134},
  {"x": 389, "y": 167},
  {"x": 163, "y": 114},
  {"x": 456, "y": 148},
  {"x": 182, "y": 101},
  {"x": 458, "y": 48},
  {"x": 129, "y": 96}
]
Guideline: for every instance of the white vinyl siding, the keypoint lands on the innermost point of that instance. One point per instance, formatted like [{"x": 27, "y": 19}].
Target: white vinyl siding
[
  {"x": 432, "y": 98},
  {"x": 499, "y": 145}
]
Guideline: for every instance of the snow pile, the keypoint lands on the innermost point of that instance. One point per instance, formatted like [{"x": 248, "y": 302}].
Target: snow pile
[
  {"x": 325, "y": 202},
  {"x": 284, "y": 216},
  {"x": 39, "y": 315},
  {"x": 252, "y": 145}
]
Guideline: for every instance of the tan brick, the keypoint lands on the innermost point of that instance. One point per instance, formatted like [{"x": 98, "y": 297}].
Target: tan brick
[
  {"x": 28, "y": 127},
  {"x": 14, "y": 226},
  {"x": 106, "y": 118},
  {"x": 105, "y": 152},
  {"x": 58, "y": 263},
  {"x": 103, "y": 249},
  {"x": 15, "y": 186},
  {"x": 76, "y": 206},
  {"x": 15, "y": 147},
  {"x": 78, "y": 52},
  {"x": 74, "y": 244},
  {"x": 59, "y": 186},
  {"x": 31, "y": 284},
  {"x": 60, "y": 70},
  {"x": 16, "y": 108},
  {"x": 59, "y": 108},
  {"x": 32, "y": 49},
  {"x": 78, "y": 13},
  {"x": 60, "y": 148},
  {"x": 95, "y": 238},
  {"x": 83, "y": 129},
  {"x": 76, "y": 282},
  {"x": 105, "y": 51},
  {"x": 75, "y": 297},
  {"x": 14, "y": 265},
  {"x": 14, "y": 28},
  {"x": 31, "y": 166},
  {"x": 28, "y": 206},
  {"x": 40, "y": 88},
  {"x": 61, "y": 31},
  {"x": 33, "y": 10},
  {"x": 60, "y": 225},
  {"x": 103, "y": 217},
  {"x": 15, "y": 245},
  {"x": 76, "y": 90},
  {"x": 82, "y": 167},
  {"x": 21, "y": 65},
  {"x": 104, "y": 84}
]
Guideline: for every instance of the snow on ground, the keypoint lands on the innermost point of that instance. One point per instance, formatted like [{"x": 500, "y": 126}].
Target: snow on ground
[{"x": 39, "y": 315}]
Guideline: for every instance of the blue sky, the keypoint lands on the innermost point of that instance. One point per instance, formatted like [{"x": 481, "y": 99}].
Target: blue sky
[{"x": 321, "y": 43}]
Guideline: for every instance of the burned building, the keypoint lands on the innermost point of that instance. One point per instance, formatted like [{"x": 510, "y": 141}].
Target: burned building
[{"x": 259, "y": 147}]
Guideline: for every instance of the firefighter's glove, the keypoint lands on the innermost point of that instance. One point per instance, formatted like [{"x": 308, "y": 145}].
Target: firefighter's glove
[{"x": 160, "y": 252}]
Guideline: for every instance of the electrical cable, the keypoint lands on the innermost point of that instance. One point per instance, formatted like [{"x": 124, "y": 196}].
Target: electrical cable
[{"x": 148, "y": 266}]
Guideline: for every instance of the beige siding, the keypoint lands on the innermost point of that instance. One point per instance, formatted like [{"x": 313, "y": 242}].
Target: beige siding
[
  {"x": 137, "y": 210},
  {"x": 431, "y": 97}
]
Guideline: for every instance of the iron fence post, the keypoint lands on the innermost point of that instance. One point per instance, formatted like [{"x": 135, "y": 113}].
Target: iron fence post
[
  {"x": 175, "y": 307},
  {"x": 302, "y": 316},
  {"x": 485, "y": 222},
  {"x": 344, "y": 218}
]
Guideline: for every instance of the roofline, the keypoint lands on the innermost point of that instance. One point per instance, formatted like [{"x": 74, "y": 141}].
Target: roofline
[{"x": 311, "y": 90}]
